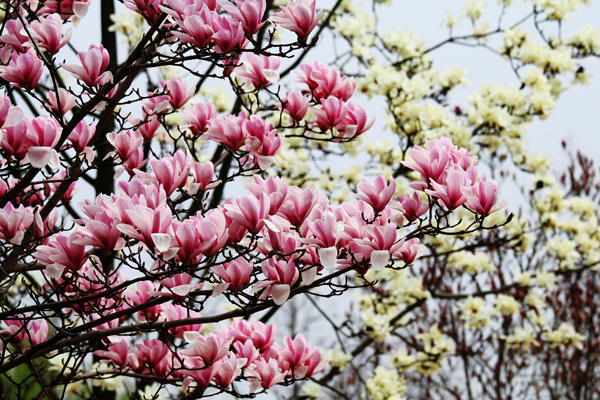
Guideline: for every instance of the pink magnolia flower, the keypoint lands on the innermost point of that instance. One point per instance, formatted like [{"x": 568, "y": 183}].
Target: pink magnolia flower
[
  {"x": 178, "y": 93},
  {"x": 9, "y": 115},
  {"x": 301, "y": 358},
  {"x": 331, "y": 114},
  {"x": 295, "y": 105},
  {"x": 199, "y": 117},
  {"x": 256, "y": 128},
  {"x": 41, "y": 229},
  {"x": 179, "y": 286},
  {"x": 15, "y": 328},
  {"x": 250, "y": 212},
  {"x": 48, "y": 35},
  {"x": 450, "y": 195},
  {"x": 148, "y": 8},
  {"x": 197, "y": 29},
  {"x": 248, "y": 12},
  {"x": 61, "y": 252},
  {"x": 81, "y": 136},
  {"x": 14, "y": 140},
  {"x": 155, "y": 356},
  {"x": 125, "y": 143},
  {"x": 14, "y": 223},
  {"x": 235, "y": 275},
  {"x": 199, "y": 372},
  {"x": 246, "y": 350},
  {"x": 180, "y": 9},
  {"x": 149, "y": 125},
  {"x": 274, "y": 187},
  {"x": 151, "y": 227},
  {"x": 189, "y": 241},
  {"x": 101, "y": 232},
  {"x": 381, "y": 242},
  {"x": 174, "y": 312},
  {"x": 412, "y": 207},
  {"x": 135, "y": 161},
  {"x": 94, "y": 63},
  {"x": 23, "y": 70},
  {"x": 203, "y": 174},
  {"x": 264, "y": 374},
  {"x": 51, "y": 187},
  {"x": 43, "y": 134},
  {"x": 377, "y": 194},
  {"x": 227, "y": 131},
  {"x": 171, "y": 172},
  {"x": 323, "y": 81},
  {"x": 356, "y": 121},
  {"x": 75, "y": 9},
  {"x": 141, "y": 295},
  {"x": 281, "y": 277},
  {"x": 118, "y": 353},
  {"x": 230, "y": 369},
  {"x": 37, "y": 332},
  {"x": 261, "y": 335},
  {"x": 67, "y": 101},
  {"x": 298, "y": 205},
  {"x": 15, "y": 36},
  {"x": 298, "y": 16},
  {"x": 257, "y": 70},
  {"x": 147, "y": 195},
  {"x": 431, "y": 163},
  {"x": 410, "y": 251},
  {"x": 279, "y": 238},
  {"x": 156, "y": 103},
  {"x": 481, "y": 197},
  {"x": 229, "y": 34},
  {"x": 264, "y": 142},
  {"x": 213, "y": 229},
  {"x": 210, "y": 349},
  {"x": 327, "y": 233}
]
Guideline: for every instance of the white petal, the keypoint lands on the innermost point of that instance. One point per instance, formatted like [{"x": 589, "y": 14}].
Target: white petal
[
  {"x": 181, "y": 290},
  {"x": 167, "y": 255},
  {"x": 191, "y": 336},
  {"x": 89, "y": 154},
  {"x": 271, "y": 226},
  {"x": 264, "y": 162},
  {"x": 54, "y": 162},
  {"x": 219, "y": 289},
  {"x": 280, "y": 293},
  {"x": 54, "y": 271},
  {"x": 13, "y": 117},
  {"x": 328, "y": 257},
  {"x": 379, "y": 259},
  {"x": 272, "y": 76},
  {"x": 39, "y": 156},
  {"x": 80, "y": 9},
  {"x": 162, "y": 241},
  {"x": 309, "y": 275}
]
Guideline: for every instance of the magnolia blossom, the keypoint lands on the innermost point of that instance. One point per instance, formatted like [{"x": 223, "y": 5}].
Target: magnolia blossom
[
  {"x": 93, "y": 66},
  {"x": 258, "y": 70},
  {"x": 298, "y": 16},
  {"x": 47, "y": 33},
  {"x": 248, "y": 12},
  {"x": 23, "y": 70}
]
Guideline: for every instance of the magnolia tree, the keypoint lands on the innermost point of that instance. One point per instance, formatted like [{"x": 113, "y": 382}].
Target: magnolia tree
[{"x": 128, "y": 272}]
